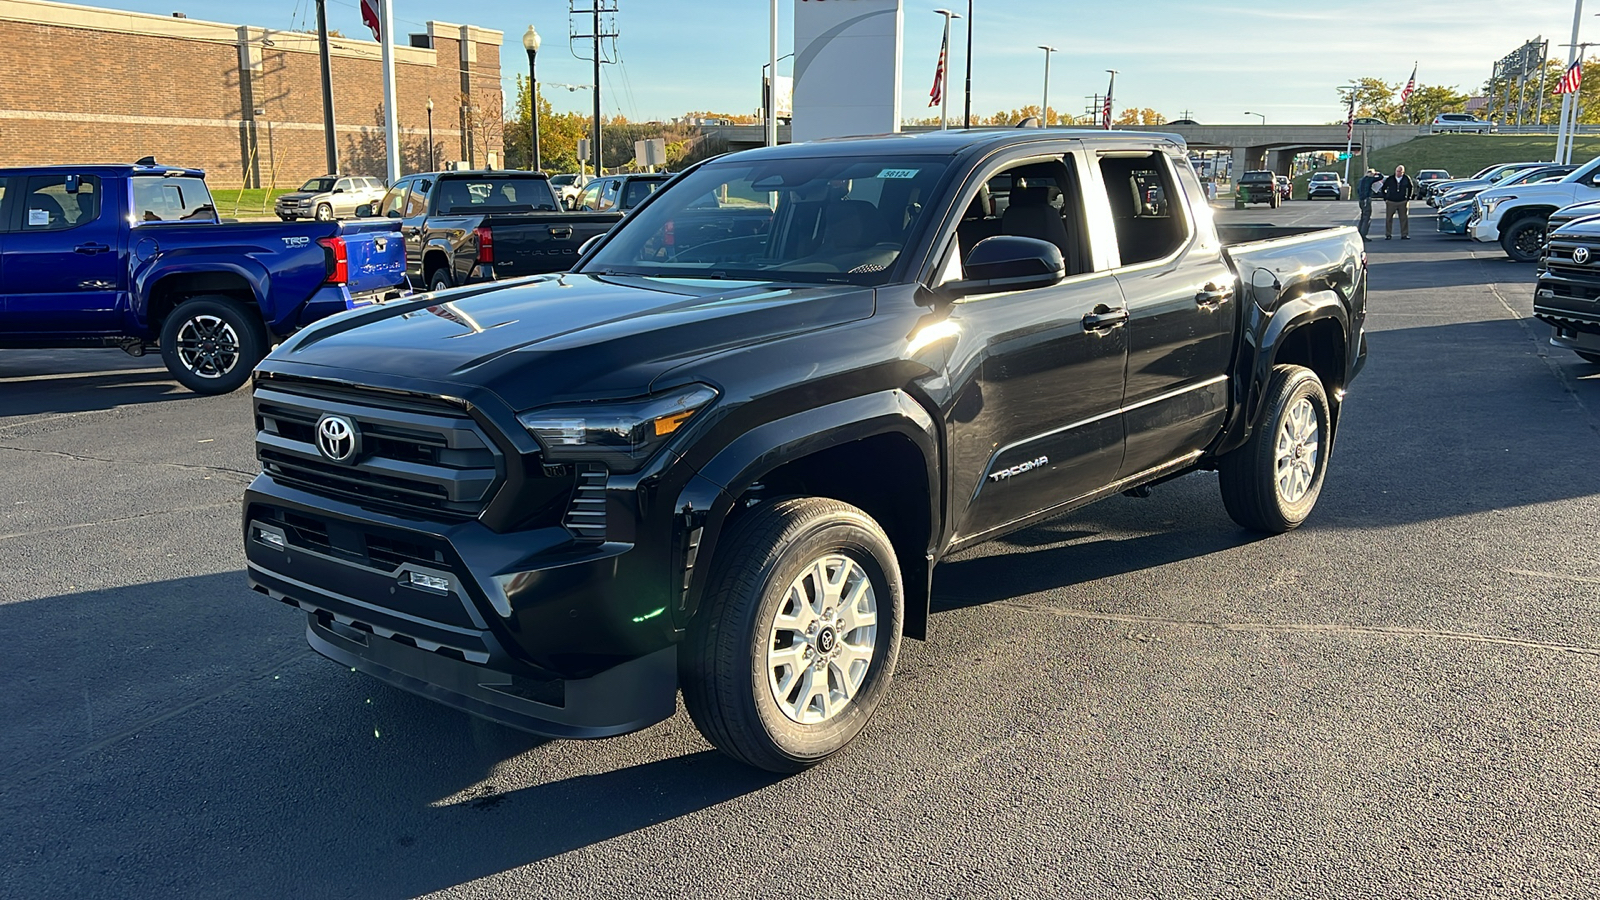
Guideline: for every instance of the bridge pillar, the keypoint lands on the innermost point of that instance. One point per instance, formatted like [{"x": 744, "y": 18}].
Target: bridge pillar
[
  {"x": 1245, "y": 159},
  {"x": 1279, "y": 161}
]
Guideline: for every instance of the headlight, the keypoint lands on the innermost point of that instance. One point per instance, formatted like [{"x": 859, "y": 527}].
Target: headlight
[
  {"x": 1493, "y": 203},
  {"x": 623, "y": 435}
]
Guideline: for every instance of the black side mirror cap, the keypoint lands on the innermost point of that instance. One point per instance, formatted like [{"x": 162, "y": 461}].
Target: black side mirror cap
[
  {"x": 364, "y": 211},
  {"x": 1009, "y": 263}
]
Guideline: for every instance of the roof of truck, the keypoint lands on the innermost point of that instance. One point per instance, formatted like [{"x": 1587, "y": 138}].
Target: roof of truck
[
  {"x": 956, "y": 141},
  {"x": 102, "y": 169}
]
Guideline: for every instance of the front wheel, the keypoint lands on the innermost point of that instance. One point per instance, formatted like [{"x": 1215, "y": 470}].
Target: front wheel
[
  {"x": 210, "y": 344},
  {"x": 795, "y": 644},
  {"x": 324, "y": 212},
  {"x": 1524, "y": 240},
  {"x": 1271, "y": 483}
]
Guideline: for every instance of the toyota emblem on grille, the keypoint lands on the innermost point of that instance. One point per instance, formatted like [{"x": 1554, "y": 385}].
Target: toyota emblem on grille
[
  {"x": 1581, "y": 256},
  {"x": 338, "y": 438}
]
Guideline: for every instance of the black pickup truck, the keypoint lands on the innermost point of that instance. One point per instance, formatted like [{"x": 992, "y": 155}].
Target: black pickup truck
[
  {"x": 727, "y": 450},
  {"x": 468, "y": 227}
]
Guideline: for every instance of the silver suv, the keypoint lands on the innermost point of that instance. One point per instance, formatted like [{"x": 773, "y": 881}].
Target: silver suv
[
  {"x": 1461, "y": 122},
  {"x": 330, "y": 197}
]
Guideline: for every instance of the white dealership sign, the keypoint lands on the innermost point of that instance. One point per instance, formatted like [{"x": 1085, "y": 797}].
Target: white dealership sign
[{"x": 846, "y": 67}]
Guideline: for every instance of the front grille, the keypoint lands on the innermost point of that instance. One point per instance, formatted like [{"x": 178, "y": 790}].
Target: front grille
[
  {"x": 1558, "y": 259},
  {"x": 586, "y": 514},
  {"x": 426, "y": 457}
]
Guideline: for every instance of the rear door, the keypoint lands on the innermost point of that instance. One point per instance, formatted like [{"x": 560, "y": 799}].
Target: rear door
[
  {"x": 1181, "y": 310},
  {"x": 63, "y": 259},
  {"x": 5, "y": 226}
]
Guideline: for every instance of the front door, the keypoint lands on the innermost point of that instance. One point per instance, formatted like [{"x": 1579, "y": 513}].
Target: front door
[
  {"x": 1181, "y": 308},
  {"x": 1036, "y": 376},
  {"x": 65, "y": 273}
]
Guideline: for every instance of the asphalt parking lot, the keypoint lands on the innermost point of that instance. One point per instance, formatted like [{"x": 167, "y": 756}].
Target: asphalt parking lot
[{"x": 1136, "y": 700}]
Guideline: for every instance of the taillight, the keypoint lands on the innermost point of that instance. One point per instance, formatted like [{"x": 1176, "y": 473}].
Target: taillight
[
  {"x": 485, "y": 245},
  {"x": 337, "y": 258}
]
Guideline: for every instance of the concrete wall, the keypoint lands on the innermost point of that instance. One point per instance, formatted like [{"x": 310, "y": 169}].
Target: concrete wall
[{"x": 83, "y": 84}]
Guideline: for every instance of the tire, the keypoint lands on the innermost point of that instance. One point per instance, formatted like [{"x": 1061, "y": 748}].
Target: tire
[
  {"x": 324, "y": 212},
  {"x": 286, "y": 218},
  {"x": 1524, "y": 240},
  {"x": 440, "y": 280},
  {"x": 1297, "y": 415},
  {"x": 210, "y": 344},
  {"x": 1588, "y": 357},
  {"x": 733, "y": 671}
]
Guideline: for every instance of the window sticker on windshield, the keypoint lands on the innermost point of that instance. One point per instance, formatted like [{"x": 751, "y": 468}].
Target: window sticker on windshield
[
  {"x": 898, "y": 173},
  {"x": 38, "y": 217}
]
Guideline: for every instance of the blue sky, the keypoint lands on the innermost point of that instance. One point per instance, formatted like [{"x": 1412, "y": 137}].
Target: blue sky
[{"x": 681, "y": 55}]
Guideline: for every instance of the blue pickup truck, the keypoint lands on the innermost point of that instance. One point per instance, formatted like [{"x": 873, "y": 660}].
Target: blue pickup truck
[{"x": 135, "y": 257}]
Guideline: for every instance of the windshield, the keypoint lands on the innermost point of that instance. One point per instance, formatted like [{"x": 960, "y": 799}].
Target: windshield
[
  {"x": 494, "y": 194},
  {"x": 828, "y": 219},
  {"x": 1508, "y": 172},
  {"x": 168, "y": 198},
  {"x": 1324, "y": 176},
  {"x": 318, "y": 185}
]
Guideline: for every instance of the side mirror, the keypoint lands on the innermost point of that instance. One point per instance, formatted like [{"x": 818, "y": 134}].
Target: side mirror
[
  {"x": 338, "y": 190},
  {"x": 394, "y": 214},
  {"x": 364, "y": 211},
  {"x": 1009, "y": 263}
]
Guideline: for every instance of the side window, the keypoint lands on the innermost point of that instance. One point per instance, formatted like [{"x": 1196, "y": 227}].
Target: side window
[
  {"x": 342, "y": 184},
  {"x": 1039, "y": 199},
  {"x": 50, "y": 206},
  {"x": 1145, "y": 207},
  {"x": 394, "y": 202},
  {"x": 591, "y": 197},
  {"x": 418, "y": 204},
  {"x": 5, "y": 208},
  {"x": 608, "y": 194}
]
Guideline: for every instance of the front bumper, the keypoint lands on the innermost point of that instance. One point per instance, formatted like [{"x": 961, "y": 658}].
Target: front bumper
[
  {"x": 528, "y": 628},
  {"x": 1484, "y": 230}
]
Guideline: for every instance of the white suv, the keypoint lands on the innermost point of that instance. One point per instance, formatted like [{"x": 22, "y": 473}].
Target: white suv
[
  {"x": 1461, "y": 122},
  {"x": 1324, "y": 184}
]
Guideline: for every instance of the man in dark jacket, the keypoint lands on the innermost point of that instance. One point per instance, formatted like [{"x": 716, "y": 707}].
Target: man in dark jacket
[
  {"x": 1397, "y": 193},
  {"x": 1365, "y": 188}
]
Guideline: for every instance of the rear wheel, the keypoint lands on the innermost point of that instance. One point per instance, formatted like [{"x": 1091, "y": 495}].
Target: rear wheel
[
  {"x": 440, "y": 280},
  {"x": 210, "y": 344},
  {"x": 1524, "y": 240},
  {"x": 1271, "y": 483},
  {"x": 795, "y": 644}
]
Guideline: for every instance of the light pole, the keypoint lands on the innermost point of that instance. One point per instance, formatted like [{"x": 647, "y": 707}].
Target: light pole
[
  {"x": 329, "y": 145},
  {"x": 432, "y": 166},
  {"x": 1564, "y": 133},
  {"x": 966, "y": 113},
  {"x": 771, "y": 101},
  {"x": 530, "y": 42},
  {"x": 944, "y": 70},
  {"x": 1263, "y": 117},
  {"x": 1044, "y": 111}
]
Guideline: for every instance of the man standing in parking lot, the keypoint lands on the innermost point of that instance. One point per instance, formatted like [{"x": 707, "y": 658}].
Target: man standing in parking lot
[
  {"x": 1397, "y": 193},
  {"x": 1365, "y": 189}
]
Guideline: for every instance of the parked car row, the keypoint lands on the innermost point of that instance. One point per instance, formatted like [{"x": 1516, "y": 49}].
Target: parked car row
[{"x": 1512, "y": 204}]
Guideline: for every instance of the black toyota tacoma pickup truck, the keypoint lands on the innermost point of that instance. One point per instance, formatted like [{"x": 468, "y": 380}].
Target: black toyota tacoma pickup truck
[
  {"x": 1567, "y": 296},
  {"x": 727, "y": 450},
  {"x": 469, "y": 227}
]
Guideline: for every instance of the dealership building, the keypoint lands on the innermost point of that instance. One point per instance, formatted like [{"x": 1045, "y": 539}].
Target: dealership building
[{"x": 85, "y": 84}]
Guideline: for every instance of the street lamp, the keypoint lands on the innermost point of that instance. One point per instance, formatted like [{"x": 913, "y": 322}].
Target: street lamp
[
  {"x": 431, "y": 165},
  {"x": 530, "y": 41},
  {"x": 944, "y": 70},
  {"x": 1044, "y": 111},
  {"x": 966, "y": 116},
  {"x": 1263, "y": 118},
  {"x": 770, "y": 107}
]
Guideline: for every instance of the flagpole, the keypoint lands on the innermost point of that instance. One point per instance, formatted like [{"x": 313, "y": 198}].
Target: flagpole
[
  {"x": 391, "y": 119},
  {"x": 1350, "y": 135},
  {"x": 1563, "y": 152},
  {"x": 1110, "y": 91},
  {"x": 941, "y": 78}
]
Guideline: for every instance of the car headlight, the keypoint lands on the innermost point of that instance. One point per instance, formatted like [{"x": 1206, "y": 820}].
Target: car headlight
[
  {"x": 1493, "y": 203},
  {"x": 623, "y": 435}
]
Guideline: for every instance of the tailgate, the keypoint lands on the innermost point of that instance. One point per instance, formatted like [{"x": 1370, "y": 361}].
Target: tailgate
[
  {"x": 377, "y": 259},
  {"x": 529, "y": 245}
]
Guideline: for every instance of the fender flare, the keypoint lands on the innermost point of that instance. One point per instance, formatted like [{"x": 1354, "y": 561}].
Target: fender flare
[
  {"x": 1255, "y": 370},
  {"x": 146, "y": 280},
  {"x": 706, "y": 502},
  {"x": 440, "y": 247}
]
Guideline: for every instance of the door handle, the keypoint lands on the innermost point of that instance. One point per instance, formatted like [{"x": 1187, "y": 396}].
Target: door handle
[
  {"x": 91, "y": 249},
  {"x": 561, "y": 231},
  {"x": 1105, "y": 318},
  {"x": 1214, "y": 295}
]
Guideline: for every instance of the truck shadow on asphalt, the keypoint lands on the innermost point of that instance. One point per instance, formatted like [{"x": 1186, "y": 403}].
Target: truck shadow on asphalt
[
  {"x": 221, "y": 758},
  {"x": 88, "y": 392}
]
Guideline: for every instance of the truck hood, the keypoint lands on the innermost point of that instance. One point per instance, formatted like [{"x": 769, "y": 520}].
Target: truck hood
[
  {"x": 553, "y": 339},
  {"x": 298, "y": 196},
  {"x": 1561, "y": 193}
]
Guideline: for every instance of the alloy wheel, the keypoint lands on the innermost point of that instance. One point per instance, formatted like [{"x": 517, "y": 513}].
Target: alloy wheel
[
  {"x": 821, "y": 640},
  {"x": 1295, "y": 456},
  {"x": 208, "y": 346}
]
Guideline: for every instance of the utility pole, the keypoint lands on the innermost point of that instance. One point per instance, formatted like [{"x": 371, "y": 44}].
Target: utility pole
[
  {"x": 772, "y": 79},
  {"x": 329, "y": 145},
  {"x": 966, "y": 115},
  {"x": 391, "y": 112},
  {"x": 596, "y": 35}
]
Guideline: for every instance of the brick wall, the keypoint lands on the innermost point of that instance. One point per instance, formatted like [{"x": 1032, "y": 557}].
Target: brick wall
[{"x": 86, "y": 85}]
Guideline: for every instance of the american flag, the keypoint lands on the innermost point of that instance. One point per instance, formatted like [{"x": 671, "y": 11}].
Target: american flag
[
  {"x": 371, "y": 18},
  {"x": 1350, "y": 123},
  {"x": 1411, "y": 86},
  {"x": 936, "y": 96},
  {"x": 1572, "y": 79},
  {"x": 1105, "y": 113}
]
